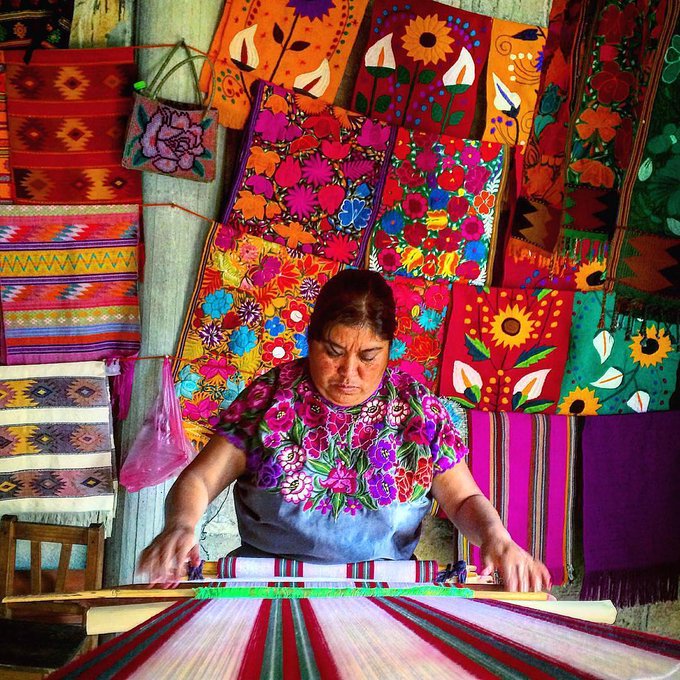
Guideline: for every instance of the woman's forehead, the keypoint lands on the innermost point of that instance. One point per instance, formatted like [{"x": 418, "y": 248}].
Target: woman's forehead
[{"x": 363, "y": 336}]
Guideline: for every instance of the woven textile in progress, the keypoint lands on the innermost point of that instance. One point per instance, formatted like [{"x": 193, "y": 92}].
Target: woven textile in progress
[
  {"x": 56, "y": 438},
  {"x": 68, "y": 283},
  {"x": 67, "y": 113},
  {"x": 524, "y": 464},
  {"x": 357, "y": 637}
]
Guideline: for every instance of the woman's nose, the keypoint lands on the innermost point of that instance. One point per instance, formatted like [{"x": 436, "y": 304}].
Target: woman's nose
[{"x": 347, "y": 366}]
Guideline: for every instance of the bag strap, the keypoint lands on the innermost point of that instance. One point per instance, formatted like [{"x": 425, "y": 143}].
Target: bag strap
[{"x": 161, "y": 76}]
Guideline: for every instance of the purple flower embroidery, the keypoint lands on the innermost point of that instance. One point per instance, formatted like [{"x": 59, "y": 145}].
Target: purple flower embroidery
[
  {"x": 383, "y": 455},
  {"x": 317, "y": 170},
  {"x": 352, "y": 505},
  {"x": 269, "y": 474},
  {"x": 172, "y": 141},
  {"x": 272, "y": 126},
  {"x": 433, "y": 408},
  {"x": 267, "y": 270},
  {"x": 301, "y": 201},
  {"x": 325, "y": 506},
  {"x": 309, "y": 289},
  {"x": 260, "y": 185},
  {"x": 475, "y": 179},
  {"x": 272, "y": 440},
  {"x": 341, "y": 479},
  {"x": 211, "y": 334},
  {"x": 249, "y": 312},
  {"x": 470, "y": 156},
  {"x": 382, "y": 487},
  {"x": 280, "y": 417},
  {"x": 419, "y": 431},
  {"x": 311, "y": 9}
]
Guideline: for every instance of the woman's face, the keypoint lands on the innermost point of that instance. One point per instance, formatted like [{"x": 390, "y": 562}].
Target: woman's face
[{"x": 348, "y": 365}]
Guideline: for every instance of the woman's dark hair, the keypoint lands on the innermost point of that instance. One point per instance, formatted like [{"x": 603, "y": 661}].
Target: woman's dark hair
[{"x": 354, "y": 297}]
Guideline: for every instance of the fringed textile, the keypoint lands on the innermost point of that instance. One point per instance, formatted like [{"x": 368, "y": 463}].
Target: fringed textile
[
  {"x": 67, "y": 113},
  {"x": 387, "y": 637},
  {"x": 30, "y": 24},
  {"x": 631, "y": 502},
  {"x": 422, "y": 66},
  {"x": 310, "y": 175},
  {"x": 524, "y": 464},
  {"x": 512, "y": 79},
  {"x": 68, "y": 282},
  {"x": 617, "y": 364},
  {"x": 440, "y": 208},
  {"x": 248, "y": 313},
  {"x": 421, "y": 311},
  {"x": 407, "y": 571},
  {"x": 300, "y": 45},
  {"x": 505, "y": 349},
  {"x": 56, "y": 439}
]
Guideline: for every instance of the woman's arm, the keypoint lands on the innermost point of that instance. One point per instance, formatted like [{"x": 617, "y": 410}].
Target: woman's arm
[
  {"x": 466, "y": 506},
  {"x": 217, "y": 465}
]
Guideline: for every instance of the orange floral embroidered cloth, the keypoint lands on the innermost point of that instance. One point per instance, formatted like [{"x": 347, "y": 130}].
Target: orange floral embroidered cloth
[{"x": 300, "y": 44}]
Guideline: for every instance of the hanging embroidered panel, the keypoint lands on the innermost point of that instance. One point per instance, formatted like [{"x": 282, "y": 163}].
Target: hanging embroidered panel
[
  {"x": 68, "y": 282},
  {"x": 624, "y": 48},
  {"x": 513, "y": 74},
  {"x": 6, "y": 190},
  {"x": 302, "y": 45},
  {"x": 646, "y": 249},
  {"x": 35, "y": 23},
  {"x": 505, "y": 349},
  {"x": 440, "y": 208},
  {"x": 67, "y": 114},
  {"x": 421, "y": 308},
  {"x": 249, "y": 312},
  {"x": 56, "y": 439},
  {"x": 628, "y": 366},
  {"x": 422, "y": 65},
  {"x": 524, "y": 464},
  {"x": 309, "y": 175}
]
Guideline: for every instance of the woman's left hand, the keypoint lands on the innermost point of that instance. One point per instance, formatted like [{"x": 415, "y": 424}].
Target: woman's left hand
[{"x": 518, "y": 569}]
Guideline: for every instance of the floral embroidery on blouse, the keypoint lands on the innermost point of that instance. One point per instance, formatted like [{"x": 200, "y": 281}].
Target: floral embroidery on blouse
[{"x": 341, "y": 459}]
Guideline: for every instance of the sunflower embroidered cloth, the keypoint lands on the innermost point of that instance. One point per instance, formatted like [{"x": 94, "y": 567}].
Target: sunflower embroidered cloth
[
  {"x": 440, "y": 208},
  {"x": 422, "y": 66},
  {"x": 327, "y": 483},
  {"x": 628, "y": 366},
  {"x": 302, "y": 45},
  {"x": 249, "y": 312},
  {"x": 67, "y": 113},
  {"x": 56, "y": 438},
  {"x": 524, "y": 464},
  {"x": 68, "y": 282},
  {"x": 505, "y": 349},
  {"x": 310, "y": 175},
  {"x": 27, "y": 24},
  {"x": 513, "y": 74},
  {"x": 421, "y": 310}
]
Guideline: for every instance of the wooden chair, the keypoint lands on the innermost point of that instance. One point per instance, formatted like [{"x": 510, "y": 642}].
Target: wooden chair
[{"x": 30, "y": 617}]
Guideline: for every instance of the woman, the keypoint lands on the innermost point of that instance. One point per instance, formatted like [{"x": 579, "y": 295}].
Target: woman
[{"x": 335, "y": 456}]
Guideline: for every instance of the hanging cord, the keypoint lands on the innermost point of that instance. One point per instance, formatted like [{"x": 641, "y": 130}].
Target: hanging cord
[
  {"x": 178, "y": 207},
  {"x": 155, "y": 46}
]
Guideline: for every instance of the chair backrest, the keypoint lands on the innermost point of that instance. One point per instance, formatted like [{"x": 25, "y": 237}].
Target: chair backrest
[{"x": 11, "y": 531}]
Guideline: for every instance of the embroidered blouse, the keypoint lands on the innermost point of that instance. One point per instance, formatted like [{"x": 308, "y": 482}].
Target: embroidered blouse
[{"x": 329, "y": 483}]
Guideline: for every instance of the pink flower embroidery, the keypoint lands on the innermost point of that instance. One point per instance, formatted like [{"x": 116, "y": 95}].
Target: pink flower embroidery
[{"x": 341, "y": 479}]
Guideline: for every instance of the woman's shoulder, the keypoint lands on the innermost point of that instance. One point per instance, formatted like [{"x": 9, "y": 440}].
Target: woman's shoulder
[{"x": 405, "y": 383}]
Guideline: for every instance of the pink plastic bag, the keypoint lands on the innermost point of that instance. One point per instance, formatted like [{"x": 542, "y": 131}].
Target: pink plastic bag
[{"x": 161, "y": 448}]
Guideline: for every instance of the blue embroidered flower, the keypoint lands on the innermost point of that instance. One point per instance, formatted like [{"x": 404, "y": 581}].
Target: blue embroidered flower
[
  {"x": 355, "y": 213},
  {"x": 274, "y": 326},
  {"x": 392, "y": 222},
  {"x": 439, "y": 199},
  {"x": 397, "y": 350},
  {"x": 301, "y": 344},
  {"x": 230, "y": 392},
  {"x": 188, "y": 383},
  {"x": 243, "y": 339},
  {"x": 218, "y": 303},
  {"x": 430, "y": 320},
  {"x": 475, "y": 250}
]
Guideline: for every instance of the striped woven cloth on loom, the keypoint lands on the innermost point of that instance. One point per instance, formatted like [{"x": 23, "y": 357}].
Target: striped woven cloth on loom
[
  {"x": 392, "y": 637},
  {"x": 56, "y": 438},
  {"x": 524, "y": 464},
  {"x": 67, "y": 113},
  {"x": 68, "y": 282},
  {"x": 413, "y": 571}
]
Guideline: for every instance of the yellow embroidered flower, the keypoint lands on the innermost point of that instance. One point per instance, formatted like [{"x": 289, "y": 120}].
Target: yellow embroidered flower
[
  {"x": 427, "y": 40},
  {"x": 651, "y": 348},
  {"x": 581, "y": 401},
  {"x": 512, "y": 327},
  {"x": 590, "y": 275}
]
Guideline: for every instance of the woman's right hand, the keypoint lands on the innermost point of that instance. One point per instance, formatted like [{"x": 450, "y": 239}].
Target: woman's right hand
[{"x": 165, "y": 559}]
